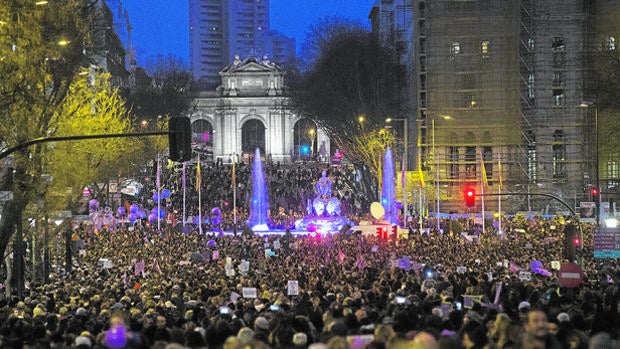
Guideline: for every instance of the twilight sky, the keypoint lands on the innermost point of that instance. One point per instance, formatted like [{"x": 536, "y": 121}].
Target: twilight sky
[{"x": 161, "y": 26}]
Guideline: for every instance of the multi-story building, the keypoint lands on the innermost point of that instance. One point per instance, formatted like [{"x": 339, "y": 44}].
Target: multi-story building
[
  {"x": 502, "y": 82},
  {"x": 105, "y": 51},
  {"x": 221, "y": 29}
]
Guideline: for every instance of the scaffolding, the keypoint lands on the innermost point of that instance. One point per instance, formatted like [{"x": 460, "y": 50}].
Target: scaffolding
[{"x": 502, "y": 81}]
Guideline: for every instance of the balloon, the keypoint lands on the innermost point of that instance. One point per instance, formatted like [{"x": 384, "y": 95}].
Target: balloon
[
  {"x": 134, "y": 208},
  {"x": 141, "y": 214},
  {"x": 311, "y": 227},
  {"x": 196, "y": 220},
  {"x": 120, "y": 211},
  {"x": 211, "y": 243},
  {"x": 156, "y": 197},
  {"x": 93, "y": 203},
  {"x": 132, "y": 217},
  {"x": 116, "y": 337},
  {"x": 158, "y": 212},
  {"x": 216, "y": 220},
  {"x": 152, "y": 218},
  {"x": 165, "y": 193},
  {"x": 216, "y": 211}
]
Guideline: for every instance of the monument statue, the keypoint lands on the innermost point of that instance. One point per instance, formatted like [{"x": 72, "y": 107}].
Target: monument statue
[
  {"x": 324, "y": 186},
  {"x": 323, "y": 211}
]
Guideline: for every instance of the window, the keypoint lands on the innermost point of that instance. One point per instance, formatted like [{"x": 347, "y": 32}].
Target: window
[
  {"x": 531, "y": 43},
  {"x": 470, "y": 162},
  {"x": 559, "y": 154},
  {"x": 455, "y": 48},
  {"x": 559, "y": 52},
  {"x": 422, "y": 64},
  {"x": 472, "y": 103},
  {"x": 422, "y": 82},
  {"x": 559, "y": 79},
  {"x": 530, "y": 140},
  {"x": 454, "y": 162},
  {"x": 558, "y": 97},
  {"x": 613, "y": 169},
  {"x": 487, "y": 158},
  {"x": 530, "y": 86},
  {"x": 557, "y": 44},
  {"x": 610, "y": 43},
  {"x": 484, "y": 48},
  {"x": 559, "y": 60}
]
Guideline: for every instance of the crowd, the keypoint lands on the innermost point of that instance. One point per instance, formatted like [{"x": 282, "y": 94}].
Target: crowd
[
  {"x": 146, "y": 289},
  {"x": 290, "y": 188},
  {"x": 139, "y": 287}
]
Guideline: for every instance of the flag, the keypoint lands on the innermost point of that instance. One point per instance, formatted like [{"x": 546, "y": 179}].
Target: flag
[
  {"x": 360, "y": 263},
  {"x": 341, "y": 256},
  {"x": 402, "y": 175},
  {"x": 155, "y": 267},
  {"x": 514, "y": 267},
  {"x": 420, "y": 172},
  {"x": 485, "y": 180},
  {"x": 233, "y": 181},
  {"x": 198, "y": 176}
]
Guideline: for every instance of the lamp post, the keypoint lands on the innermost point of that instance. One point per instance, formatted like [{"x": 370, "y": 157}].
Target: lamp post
[
  {"x": 587, "y": 105},
  {"x": 436, "y": 174},
  {"x": 405, "y": 154},
  {"x": 435, "y": 160},
  {"x": 312, "y": 133}
]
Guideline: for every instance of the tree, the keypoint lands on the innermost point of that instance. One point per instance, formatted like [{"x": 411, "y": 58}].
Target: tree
[
  {"x": 43, "y": 95},
  {"x": 167, "y": 89},
  {"x": 36, "y": 74},
  {"x": 349, "y": 91},
  {"x": 322, "y": 34},
  {"x": 91, "y": 107}
]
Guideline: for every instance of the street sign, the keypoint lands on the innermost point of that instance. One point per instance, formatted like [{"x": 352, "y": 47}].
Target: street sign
[
  {"x": 607, "y": 243},
  {"x": 570, "y": 275},
  {"x": 6, "y": 195}
]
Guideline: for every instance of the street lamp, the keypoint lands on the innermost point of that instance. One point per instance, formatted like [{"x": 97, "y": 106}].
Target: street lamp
[
  {"x": 587, "y": 105},
  {"x": 405, "y": 154},
  {"x": 438, "y": 199},
  {"x": 311, "y": 132}
]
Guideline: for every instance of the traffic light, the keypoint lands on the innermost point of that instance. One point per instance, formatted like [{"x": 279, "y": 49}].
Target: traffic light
[
  {"x": 179, "y": 139},
  {"x": 470, "y": 197},
  {"x": 577, "y": 242},
  {"x": 570, "y": 239},
  {"x": 382, "y": 232},
  {"x": 595, "y": 193}
]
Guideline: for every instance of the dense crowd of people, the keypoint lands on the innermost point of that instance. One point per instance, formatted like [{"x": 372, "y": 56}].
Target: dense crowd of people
[
  {"x": 290, "y": 188},
  {"x": 139, "y": 287}
]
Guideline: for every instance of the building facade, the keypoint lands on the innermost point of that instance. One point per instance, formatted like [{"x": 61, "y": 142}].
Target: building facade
[
  {"x": 250, "y": 110},
  {"x": 221, "y": 29},
  {"x": 502, "y": 82}
]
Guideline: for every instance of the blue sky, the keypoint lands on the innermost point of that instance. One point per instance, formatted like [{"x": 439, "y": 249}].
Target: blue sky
[{"x": 160, "y": 27}]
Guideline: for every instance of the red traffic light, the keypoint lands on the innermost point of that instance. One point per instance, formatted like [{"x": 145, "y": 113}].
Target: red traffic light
[
  {"x": 470, "y": 197},
  {"x": 594, "y": 191},
  {"x": 577, "y": 242}
]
